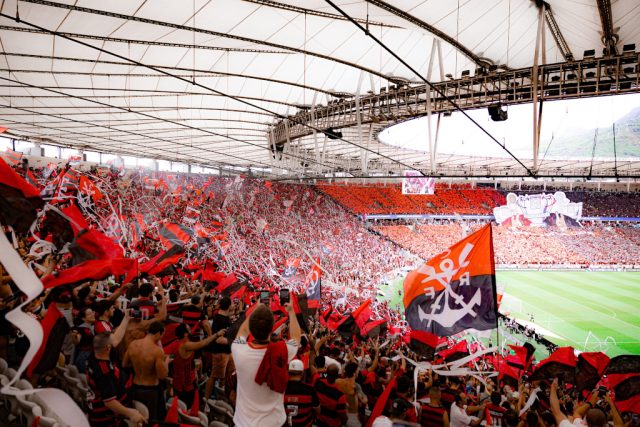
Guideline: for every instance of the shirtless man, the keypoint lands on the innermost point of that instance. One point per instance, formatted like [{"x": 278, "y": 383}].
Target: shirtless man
[{"x": 149, "y": 367}]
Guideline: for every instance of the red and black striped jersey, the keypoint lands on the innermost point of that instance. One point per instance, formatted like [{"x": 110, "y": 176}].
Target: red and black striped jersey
[
  {"x": 333, "y": 404},
  {"x": 432, "y": 416},
  {"x": 105, "y": 382},
  {"x": 299, "y": 401}
]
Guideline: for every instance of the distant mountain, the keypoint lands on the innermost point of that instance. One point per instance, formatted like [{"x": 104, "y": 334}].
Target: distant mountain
[{"x": 580, "y": 144}]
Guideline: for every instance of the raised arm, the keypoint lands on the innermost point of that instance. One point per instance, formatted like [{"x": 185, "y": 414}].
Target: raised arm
[
  {"x": 555, "y": 403},
  {"x": 117, "y": 335},
  {"x": 617, "y": 419},
  {"x": 294, "y": 326}
]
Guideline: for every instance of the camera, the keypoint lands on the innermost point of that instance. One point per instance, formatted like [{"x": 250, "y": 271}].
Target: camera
[
  {"x": 264, "y": 297},
  {"x": 284, "y": 296},
  {"x": 602, "y": 391}
]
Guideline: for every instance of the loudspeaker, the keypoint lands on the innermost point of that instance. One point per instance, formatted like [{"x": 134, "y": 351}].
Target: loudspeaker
[{"x": 498, "y": 114}]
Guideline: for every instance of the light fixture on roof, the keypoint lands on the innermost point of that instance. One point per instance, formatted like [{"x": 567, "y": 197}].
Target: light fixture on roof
[
  {"x": 333, "y": 134},
  {"x": 629, "y": 48},
  {"x": 497, "y": 114},
  {"x": 591, "y": 53}
]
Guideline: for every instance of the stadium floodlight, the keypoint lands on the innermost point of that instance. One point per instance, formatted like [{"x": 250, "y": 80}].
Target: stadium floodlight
[
  {"x": 591, "y": 53},
  {"x": 629, "y": 48}
]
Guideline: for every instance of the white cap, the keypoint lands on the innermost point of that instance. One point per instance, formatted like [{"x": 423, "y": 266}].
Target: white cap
[
  {"x": 382, "y": 421},
  {"x": 296, "y": 366}
]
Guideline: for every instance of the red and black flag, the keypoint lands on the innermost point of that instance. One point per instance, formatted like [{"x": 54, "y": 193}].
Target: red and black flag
[
  {"x": 54, "y": 329},
  {"x": 522, "y": 357},
  {"x": 95, "y": 269},
  {"x": 455, "y": 352},
  {"x": 560, "y": 364},
  {"x": 506, "y": 373},
  {"x": 89, "y": 188},
  {"x": 290, "y": 267},
  {"x": 423, "y": 343},
  {"x": 314, "y": 287},
  {"x": 374, "y": 328},
  {"x": 162, "y": 261},
  {"x": 354, "y": 321},
  {"x": 301, "y": 309},
  {"x": 589, "y": 370},
  {"x": 623, "y": 377},
  {"x": 455, "y": 290},
  {"x": 174, "y": 234},
  {"x": 92, "y": 244},
  {"x": 19, "y": 200}
]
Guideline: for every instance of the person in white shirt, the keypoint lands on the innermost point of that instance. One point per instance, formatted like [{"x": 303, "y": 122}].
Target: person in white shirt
[
  {"x": 460, "y": 413},
  {"x": 258, "y": 405}
]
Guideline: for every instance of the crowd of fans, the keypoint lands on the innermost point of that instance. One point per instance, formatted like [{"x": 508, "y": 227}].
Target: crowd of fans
[
  {"x": 589, "y": 245},
  {"x": 388, "y": 199},
  {"x": 172, "y": 347}
]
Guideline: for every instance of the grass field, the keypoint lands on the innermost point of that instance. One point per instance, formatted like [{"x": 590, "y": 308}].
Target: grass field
[{"x": 590, "y": 311}]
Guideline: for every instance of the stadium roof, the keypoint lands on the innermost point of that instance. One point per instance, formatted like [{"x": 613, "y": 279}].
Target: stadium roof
[{"x": 203, "y": 81}]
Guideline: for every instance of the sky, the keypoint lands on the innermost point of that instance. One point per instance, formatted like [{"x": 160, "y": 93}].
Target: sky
[{"x": 458, "y": 135}]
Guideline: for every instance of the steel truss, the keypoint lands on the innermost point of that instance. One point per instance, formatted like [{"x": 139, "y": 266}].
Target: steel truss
[{"x": 567, "y": 80}]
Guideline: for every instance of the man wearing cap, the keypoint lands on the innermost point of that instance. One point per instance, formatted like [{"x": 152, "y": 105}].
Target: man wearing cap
[{"x": 300, "y": 400}]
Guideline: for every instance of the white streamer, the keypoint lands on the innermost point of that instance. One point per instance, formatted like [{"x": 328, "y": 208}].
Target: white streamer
[{"x": 532, "y": 398}]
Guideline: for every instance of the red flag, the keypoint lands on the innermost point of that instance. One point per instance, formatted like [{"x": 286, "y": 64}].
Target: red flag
[
  {"x": 561, "y": 363},
  {"x": 362, "y": 314},
  {"x": 589, "y": 369},
  {"x": 423, "y": 343},
  {"x": 457, "y": 351},
  {"x": 89, "y": 188},
  {"x": 195, "y": 406},
  {"x": 92, "y": 244},
  {"x": 163, "y": 260},
  {"x": 48, "y": 323},
  {"x": 523, "y": 356},
  {"x": 77, "y": 219},
  {"x": 623, "y": 377},
  {"x": 506, "y": 373},
  {"x": 19, "y": 200},
  {"x": 373, "y": 328},
  {"x": 227, "y": 282},
  {"x": 174, "y": 234},
  {"x": 172, "y": 413},
  {"x": 91, "y": 270}
]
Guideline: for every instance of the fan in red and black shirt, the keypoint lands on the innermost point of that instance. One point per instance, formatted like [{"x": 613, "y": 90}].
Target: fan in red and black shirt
[
  {"x": 300, "y": 399},
  {"x": 333, "y": 402},
  {"x": 495, "y": 410},
  {"x": 108, "y": 391},
  {"x": 104, "y": 311},
  {"x": 145, "y": 303},
  {"x": 193, "y": 316}
]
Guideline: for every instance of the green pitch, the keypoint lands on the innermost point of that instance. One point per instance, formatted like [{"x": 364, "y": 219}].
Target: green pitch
[{"x": 590, "y": 311}]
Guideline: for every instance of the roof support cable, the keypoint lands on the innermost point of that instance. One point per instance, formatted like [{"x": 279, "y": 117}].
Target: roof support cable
[
  {"x": 159, "y": 70},
  {"x": 432, "y": 86}
]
